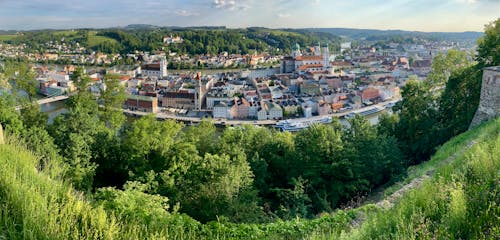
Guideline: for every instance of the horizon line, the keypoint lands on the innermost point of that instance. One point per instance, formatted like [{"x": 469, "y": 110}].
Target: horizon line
[{"x": 242, "y": 27}]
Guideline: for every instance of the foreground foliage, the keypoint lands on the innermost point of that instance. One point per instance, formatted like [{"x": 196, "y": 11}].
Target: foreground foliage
[{"x": 461, "y": 201}]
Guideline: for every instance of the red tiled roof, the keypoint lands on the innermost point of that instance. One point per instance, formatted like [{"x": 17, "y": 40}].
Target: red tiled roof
[
  {"x": 308, "y": 66},
  {"x": 309, "y": 58}
]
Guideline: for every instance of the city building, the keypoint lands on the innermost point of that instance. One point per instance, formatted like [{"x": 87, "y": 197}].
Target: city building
[
  {"x": 141, "y": 103},
  {"x": 158, "y": 70}
]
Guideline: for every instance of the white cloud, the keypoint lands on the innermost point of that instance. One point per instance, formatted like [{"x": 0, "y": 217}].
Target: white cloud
[
  {"x": 186, "y": 13},
  {"x": 284, "y": 15},
  {"x": 467, "y": 1},
  {"x": 230, "y": 5}
]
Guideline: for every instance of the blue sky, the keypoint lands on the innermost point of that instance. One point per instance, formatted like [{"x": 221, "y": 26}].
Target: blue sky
[{"x": 420, "y": 15}]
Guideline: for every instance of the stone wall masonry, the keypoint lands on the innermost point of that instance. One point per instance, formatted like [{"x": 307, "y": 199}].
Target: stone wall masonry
[{"x": 489, "y": 104}]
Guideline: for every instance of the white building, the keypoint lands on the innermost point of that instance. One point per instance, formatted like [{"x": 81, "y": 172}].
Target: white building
[
  {"x": 270, "y": 111},
  {"x": 158, "y": 70},
  {"x": 222, "y": 110}
]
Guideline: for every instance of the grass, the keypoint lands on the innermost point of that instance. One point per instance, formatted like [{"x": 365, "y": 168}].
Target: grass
[
  {"x": 461, "y": 201},
  {"x": 65, "y": 33},
  {"x": 94, "y": 40},
  {"x": 455, "y": 145},
  {"x": 4, "y": 38}
]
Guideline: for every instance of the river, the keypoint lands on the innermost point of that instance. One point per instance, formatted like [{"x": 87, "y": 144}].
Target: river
[{"x": 55, "y": 109}]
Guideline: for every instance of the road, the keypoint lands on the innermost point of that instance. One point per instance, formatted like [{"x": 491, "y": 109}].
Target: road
[{"x": 227, "y": 122}]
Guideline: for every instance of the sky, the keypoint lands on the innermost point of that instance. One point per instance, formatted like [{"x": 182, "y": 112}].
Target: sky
[{"x": 415, "y": 15}]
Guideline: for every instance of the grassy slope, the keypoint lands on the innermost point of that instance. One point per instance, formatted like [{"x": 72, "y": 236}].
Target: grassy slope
[
  {"x": 94, "y": 40},
  {"x": 7, "y": 37},
  {"x": 461, "y": 200}
]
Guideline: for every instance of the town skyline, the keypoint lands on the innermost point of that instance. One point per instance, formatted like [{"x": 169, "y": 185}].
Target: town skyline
[{"x": 409, "y": 15}]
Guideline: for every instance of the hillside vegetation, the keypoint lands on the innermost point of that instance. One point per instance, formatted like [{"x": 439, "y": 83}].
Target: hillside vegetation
[
  {"x": 461, "y": 201},
  {"x": 195, "y": 40}
]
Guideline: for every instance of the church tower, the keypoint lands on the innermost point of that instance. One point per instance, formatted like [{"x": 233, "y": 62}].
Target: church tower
[
  {"x": 296, "y": 51},
  {"x": 326, "y": 58},
  {"x": 317, "y": 50},
  {"x": 163, "y": 67}
]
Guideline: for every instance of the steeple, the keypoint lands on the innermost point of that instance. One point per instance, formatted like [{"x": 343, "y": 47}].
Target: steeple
[
  {"x": 296, "y": 51},
  {"x": 326, "y": 57},
  {"x": 317, "y": 49},
  {"x": 163, "y": 67}
]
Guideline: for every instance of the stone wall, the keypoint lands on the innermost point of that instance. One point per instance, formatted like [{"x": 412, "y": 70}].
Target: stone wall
[{"x": 489, "y": 105}]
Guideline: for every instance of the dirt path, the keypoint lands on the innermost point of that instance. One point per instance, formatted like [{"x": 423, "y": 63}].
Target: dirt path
[{"x": 389, "y": 201}]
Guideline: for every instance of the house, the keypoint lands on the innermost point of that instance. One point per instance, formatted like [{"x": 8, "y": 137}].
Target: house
[
  {"x": 324, "y": 108},
  {"x": 240, "y": 108},
  {"x": 307, "y": 111},
  {"x": 270, "y": 110},
  {"x": 216, "y": 95},
  {"x": 141, "y": 103},
  {"x": 310, "y": 87},
  {"x": 422, "y": 67},
  {"x": 370, "y": 94},
  {"x": 184, "y": 100},
  {"x": 222, "y": 110}
]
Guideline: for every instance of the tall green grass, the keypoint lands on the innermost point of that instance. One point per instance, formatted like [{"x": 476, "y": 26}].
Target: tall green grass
[{"x": 461, "y": 201}]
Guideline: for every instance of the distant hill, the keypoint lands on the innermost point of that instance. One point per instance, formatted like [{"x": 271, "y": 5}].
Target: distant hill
[
  {"x": 140, "y": 26},
  {"x": 376, "y": 34}
]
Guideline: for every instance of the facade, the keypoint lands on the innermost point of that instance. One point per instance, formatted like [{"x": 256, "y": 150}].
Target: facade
[
  {"x": 142, "y": 103},
  {"x": 240, "y": 109},
  {"x": 270, "y": 111},
  {"x": 370, "y": 94},
  {"x": 222, "y": 110},
  {"x": 158, "y": 70},
  {"x": 182, "y": 100},
  {"x": 297, "y": 62},
  {"x": 324, "y": 109}
]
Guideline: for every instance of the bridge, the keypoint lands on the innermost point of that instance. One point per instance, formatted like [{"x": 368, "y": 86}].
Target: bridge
[{"x": 48, "y": 100}]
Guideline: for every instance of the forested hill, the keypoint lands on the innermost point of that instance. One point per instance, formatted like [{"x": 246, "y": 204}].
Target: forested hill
[
  {"x": 196, "y": 40},
  {"x": 373, "y": 34}
]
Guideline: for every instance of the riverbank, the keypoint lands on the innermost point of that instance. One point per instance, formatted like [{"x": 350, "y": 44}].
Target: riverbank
[{"x": 228, "y": 122}]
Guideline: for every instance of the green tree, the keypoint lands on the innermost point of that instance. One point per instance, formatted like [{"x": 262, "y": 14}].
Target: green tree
[
  {"x": 22, "y": 76},
  {"x": 444, "y": 64},
  {"x": 9, "y": 118},
  {"x": 318, "y": 148},
  {"x": 203, "y": 136},
  {"x": 74, "y": 133},
  {"x": 112, "y": 99},
  {"x": 418, "y": 113},
  {"x": 459, "y": 101},
  {"x": 33, "y": 116},
  {"x": 488, "y": 51},
  {"x": 39, "y": 141}
]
